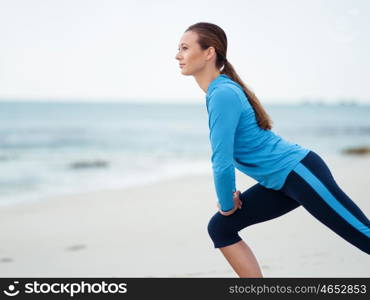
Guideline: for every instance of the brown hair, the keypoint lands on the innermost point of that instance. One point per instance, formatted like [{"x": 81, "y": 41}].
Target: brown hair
[{"x": 212, "y": 35}]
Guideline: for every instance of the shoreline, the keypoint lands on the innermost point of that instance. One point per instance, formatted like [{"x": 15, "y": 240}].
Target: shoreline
[{"x": 169, "y": 172}]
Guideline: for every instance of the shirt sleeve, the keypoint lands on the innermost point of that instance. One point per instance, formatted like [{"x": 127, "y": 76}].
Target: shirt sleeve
[{"x": 224, "y": 109}]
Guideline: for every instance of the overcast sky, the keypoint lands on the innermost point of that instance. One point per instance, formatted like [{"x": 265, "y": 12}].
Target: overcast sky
[{"x": 284, "y": 50}]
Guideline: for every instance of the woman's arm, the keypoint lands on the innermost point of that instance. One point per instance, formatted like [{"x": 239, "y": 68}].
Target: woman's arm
[{"x": 224, "y": 109}]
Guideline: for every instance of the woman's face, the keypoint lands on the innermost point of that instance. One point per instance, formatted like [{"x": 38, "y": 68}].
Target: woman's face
[{"x": 191, "y": 57}]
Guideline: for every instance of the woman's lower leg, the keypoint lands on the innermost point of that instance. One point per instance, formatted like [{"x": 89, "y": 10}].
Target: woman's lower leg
[{"x": 242, "y": 260}]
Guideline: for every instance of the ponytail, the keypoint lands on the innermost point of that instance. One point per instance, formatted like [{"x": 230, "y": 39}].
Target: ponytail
[{"x": 263, "y": 119}]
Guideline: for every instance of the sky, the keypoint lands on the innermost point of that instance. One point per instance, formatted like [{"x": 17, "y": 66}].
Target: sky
[{"x": 90, "y": 50}]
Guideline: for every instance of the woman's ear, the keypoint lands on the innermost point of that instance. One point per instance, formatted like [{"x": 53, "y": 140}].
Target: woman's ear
[{"x": 210, "y": 52}]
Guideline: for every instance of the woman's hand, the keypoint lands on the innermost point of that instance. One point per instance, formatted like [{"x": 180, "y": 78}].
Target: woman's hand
[{"x": 237, "y": 205}]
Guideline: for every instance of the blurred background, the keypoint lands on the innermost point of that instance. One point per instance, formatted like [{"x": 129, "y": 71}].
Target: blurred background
[{"x": 91, "y": 96}]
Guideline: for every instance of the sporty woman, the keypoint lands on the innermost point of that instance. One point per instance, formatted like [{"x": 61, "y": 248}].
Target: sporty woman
[{"x": 288, "y": 174}]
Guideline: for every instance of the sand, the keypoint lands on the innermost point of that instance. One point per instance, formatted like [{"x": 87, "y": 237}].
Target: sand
[{"x": 160, "y": 230}]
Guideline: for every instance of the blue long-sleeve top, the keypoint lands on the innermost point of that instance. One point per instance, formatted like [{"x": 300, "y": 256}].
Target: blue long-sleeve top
[{"x": 237, "y": 141}]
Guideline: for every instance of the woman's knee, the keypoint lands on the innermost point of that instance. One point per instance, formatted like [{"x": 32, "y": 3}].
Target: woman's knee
[
  {"x": 215, "y": 225},
  {"x": 222, "y": 230}
]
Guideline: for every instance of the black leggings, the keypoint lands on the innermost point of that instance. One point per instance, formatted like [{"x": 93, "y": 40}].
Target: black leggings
[{"x": 309, "y": 184}]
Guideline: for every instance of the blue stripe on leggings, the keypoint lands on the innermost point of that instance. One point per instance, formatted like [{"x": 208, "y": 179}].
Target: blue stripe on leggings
[{"x": 325, "y": 194}]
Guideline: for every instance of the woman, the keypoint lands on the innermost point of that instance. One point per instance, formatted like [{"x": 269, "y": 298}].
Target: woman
[{"x": 288, "y": 175}]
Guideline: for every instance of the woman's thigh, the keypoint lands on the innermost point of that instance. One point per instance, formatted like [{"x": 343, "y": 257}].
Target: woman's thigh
[{"x": 259, "y": 204}]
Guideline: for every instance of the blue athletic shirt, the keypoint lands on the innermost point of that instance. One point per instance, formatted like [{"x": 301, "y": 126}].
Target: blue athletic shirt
[{"x": 237, "y": 141}]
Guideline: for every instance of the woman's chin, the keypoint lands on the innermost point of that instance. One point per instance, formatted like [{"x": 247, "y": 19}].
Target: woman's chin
[{"x": 184, "y": 72}]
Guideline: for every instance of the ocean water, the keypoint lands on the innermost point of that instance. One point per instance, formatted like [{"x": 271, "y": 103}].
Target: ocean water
[{"x": 52, "y": 149}]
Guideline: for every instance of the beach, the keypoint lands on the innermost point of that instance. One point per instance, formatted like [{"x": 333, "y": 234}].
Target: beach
[
  {"x": 112, "y": 119},
  {"x": 159, "y": 229}
]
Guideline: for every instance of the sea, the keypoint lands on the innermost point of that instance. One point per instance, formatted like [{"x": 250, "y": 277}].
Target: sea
[{"x": 50, "y": 149}]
